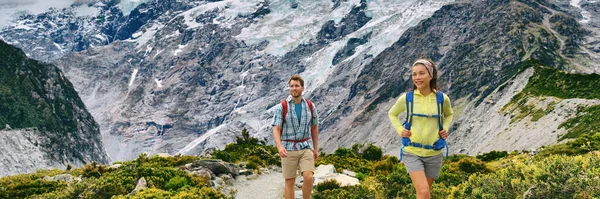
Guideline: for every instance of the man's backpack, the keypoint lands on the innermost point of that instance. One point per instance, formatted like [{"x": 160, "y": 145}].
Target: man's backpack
[
  {"x": 440, "y": 143},
  {"x": 285, "y": 109}
]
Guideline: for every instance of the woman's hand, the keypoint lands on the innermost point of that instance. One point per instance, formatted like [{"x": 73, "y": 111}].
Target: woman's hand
[
  {"x": 406, "y": 133},
  {"x": 444, "y": 134}
]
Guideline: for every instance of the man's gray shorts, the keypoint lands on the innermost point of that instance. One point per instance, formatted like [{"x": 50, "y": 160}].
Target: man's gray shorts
[{"x": 431, "y": 165}]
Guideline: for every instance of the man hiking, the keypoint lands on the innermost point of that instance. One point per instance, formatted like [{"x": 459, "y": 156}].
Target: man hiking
[{"x": 296, "y": 134}]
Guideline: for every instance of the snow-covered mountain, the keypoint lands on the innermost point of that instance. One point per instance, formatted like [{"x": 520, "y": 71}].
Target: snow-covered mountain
[
  {"x": 47, "y": 30},
  {"x": 182, "y": 76}
]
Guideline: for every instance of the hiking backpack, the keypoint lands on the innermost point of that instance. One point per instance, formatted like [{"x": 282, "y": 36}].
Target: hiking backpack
[
  {"x": 285, "y": 109},
  {"x": 440, "y": 143}
]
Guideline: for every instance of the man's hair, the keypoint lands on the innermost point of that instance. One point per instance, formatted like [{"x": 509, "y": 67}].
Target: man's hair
[{"x": 296, "y": 78}]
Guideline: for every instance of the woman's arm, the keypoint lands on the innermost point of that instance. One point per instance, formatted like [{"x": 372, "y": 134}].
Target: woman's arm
[{"x": 399, "y": 107}]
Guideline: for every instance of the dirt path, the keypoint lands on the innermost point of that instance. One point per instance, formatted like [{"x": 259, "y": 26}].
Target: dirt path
[{"x": 266, "y": 186}]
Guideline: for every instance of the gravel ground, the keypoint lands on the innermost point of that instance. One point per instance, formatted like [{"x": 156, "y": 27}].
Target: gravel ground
[{"x": 266, "y": 186}]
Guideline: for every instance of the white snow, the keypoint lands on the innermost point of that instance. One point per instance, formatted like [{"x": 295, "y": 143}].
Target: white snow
[
  {"x": 59, "y": 47},
  {"x": 86, "y": 11},
  {"x": 12, "y": 8},
  {"x": 127, "y": 6},
  {"x": 148, "y": 50},
  {"x": 229, "y": 9},
  {"x": 586, "y": 15},
  {"x": 160, "y": 51},
  {"x": 144, "y": 35},
  {"x": 101, "y": 37},
  {"x": 158, "y": 83},
  {"x": 137, "y": 34},
  {"x": 199, "y": 140},
  {"x": 286, "y": 28},
  {"x": 179, "y": 49},
  {"x": 22, "y": 26},
  {"x": 175, "y": 34},
  {"x": 133, "y": 74},
  {"x": 389, "y": 21}
]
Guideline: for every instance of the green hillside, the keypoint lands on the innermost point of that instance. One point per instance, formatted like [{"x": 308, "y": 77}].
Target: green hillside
[{"x": 567, "y": 170}]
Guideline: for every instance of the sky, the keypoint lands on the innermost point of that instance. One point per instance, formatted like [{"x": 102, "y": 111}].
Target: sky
[{"x": 9, "y": 8}]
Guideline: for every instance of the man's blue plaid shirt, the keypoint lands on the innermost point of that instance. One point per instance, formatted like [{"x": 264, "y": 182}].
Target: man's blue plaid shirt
[{"x": 292, "y": 130}]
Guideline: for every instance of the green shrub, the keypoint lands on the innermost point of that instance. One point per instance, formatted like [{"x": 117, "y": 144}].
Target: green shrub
[
  {"x": 372, "y": 152},
  {"x": 198, "y": 193},
  {"x": 251, "y": 165},
  {"x": 343, "y": 152},
  {"x": 349, "y": 192},
  {"x": 360, "y": 176},
  {"x": 176, "y": 183},
  {"x": 94, "y": 170},
  {"x": 471, "y": 165},
  {"x": 382, "y": 167},
  {"x": 246, "y": 147},
  {"x": 492, "y": 155},
  {"x": 327, "y": 185}
]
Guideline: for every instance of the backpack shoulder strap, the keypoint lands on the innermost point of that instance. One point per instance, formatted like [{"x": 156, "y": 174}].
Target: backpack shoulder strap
[
  {"x": 409, "y": 106},
  {"x": 439, "y": 96},
  {"x": 284, "y": 110},
  {"x": 310, "y": 107}
]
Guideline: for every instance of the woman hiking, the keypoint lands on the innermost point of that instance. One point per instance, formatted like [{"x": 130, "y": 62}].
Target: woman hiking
[{"x": 428, "y": 116}]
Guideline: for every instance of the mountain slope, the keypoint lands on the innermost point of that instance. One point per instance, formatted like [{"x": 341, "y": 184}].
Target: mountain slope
[
  {"x": 185, "y": 76},
  {"x": 478, "y": 46},
  {"x": 44, "y": 123}
]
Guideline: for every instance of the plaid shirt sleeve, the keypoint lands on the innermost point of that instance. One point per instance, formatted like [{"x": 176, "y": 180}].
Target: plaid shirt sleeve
[
  {"x": 278, "y": 116},
  {"x": 315, "y": 120}
]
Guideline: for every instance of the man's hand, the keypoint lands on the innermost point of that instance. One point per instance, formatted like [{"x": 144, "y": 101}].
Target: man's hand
[
  {"x": 316, "y": 154},
  {"x": 406, "y": 133},
  {"x": 282, "y": 151},
  {"x": 444, "y": 134}
]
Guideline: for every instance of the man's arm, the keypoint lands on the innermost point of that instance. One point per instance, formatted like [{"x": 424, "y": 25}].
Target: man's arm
[
  {"x": 277, "y": 126},
  {"x": 314, "y": 132},
  {"x": 277, "y": 139}
]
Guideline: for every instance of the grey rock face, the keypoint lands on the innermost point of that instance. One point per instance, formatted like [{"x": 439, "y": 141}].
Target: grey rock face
[{"x": 48, "y": 125}]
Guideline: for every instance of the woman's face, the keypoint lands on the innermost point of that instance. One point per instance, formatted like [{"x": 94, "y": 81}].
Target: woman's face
[{"x": 420, "y": 76}]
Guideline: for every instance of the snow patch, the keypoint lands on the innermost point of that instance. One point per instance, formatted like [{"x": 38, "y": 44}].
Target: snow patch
[
  {"x": 86, "y": 11},
  {"x": 229, "y": 10},
  {"x": 286, "y": 28},
  {"x": 586, "y": 15},
  {"x": 9, "y": 10},
  {"x": 158, "y": 83},
  {"x": 143, "y": 36},
  {"x": 160, "y": 51},
  {"x": 180, "y": 49},
  {"x": 127, "y": 6},
  {"x": 133, "y": 74},
  {"x": 199, "y": 140}
]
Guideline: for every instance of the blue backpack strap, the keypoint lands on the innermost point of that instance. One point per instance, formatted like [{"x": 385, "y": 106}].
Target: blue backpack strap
[
  {"x": 409, "y": 109},
  {"x": 439, "y": 96},
  {"x": 408, "y": 120},
  {"x": 440, "y": 101}
]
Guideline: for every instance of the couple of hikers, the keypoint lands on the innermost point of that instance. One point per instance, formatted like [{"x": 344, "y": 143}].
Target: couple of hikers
[{"x": 428, "y": 116}]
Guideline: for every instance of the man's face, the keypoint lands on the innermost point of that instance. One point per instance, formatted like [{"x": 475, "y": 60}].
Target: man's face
[{"x": 295, "y": 88}]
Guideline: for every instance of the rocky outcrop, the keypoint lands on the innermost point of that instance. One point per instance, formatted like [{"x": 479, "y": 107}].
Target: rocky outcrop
[{"x": 44, "y": 123}]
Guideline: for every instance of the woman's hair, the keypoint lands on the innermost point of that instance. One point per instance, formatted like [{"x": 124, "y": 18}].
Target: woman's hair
[{"x": 433, "y": 84}]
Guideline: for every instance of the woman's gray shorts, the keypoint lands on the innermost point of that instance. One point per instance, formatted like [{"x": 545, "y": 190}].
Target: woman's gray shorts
[{"x": 431, "y": 165}]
